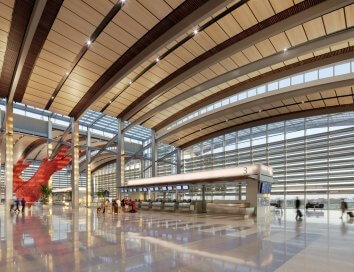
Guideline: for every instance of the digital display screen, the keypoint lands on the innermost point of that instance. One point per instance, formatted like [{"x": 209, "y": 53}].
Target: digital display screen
[
  {"x": 151, "y": 189},
  {"x": 140, "y": 189},
  {"x": 125, "y": 190},
  {"x": 156, "y": 188},
  {"x": 130, "y": 190},
  {"x": 164, "y": 188},
  {"x": 135, "y": 190},
  {"x": 265, "y": 188},
  {"x": 170, "y": 188},
  {"x": 145, "y": 189},
  {"x": 122, "y": 190},
  {"x": 179, "y": 187},
  {"x": 185, "y": 187}
]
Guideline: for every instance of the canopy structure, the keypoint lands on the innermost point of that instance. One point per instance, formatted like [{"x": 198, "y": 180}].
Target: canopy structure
[{"x": 244, "y": 173}]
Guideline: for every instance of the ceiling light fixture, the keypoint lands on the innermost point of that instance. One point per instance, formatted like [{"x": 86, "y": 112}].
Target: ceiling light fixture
[
  {"x": 67, "y": 73},
  {"x": 195, "y": 31},
  {"x": 260, "y": 111},
  {"x": 130, "y": 82},
  {"x": 157, "y": 59},
  {"x": 110, "y": 101},
  {"x": 285, "y": 49},
  {"x": 88, "y": 42},
  {"x": 52, "y": 97}
]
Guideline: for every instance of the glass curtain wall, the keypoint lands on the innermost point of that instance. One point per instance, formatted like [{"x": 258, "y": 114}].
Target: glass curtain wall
[{"x": 312, "y": 158}]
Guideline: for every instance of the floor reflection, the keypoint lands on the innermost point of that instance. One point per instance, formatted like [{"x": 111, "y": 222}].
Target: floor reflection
[{"x": 58, "y": 239}]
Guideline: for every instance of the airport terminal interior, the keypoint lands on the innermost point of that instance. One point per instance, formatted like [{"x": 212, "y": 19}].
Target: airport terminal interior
[{"x": 176, "y": 135}]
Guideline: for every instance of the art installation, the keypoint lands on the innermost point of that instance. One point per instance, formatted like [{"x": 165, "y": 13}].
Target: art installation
[{"x": 31, "y": 190}]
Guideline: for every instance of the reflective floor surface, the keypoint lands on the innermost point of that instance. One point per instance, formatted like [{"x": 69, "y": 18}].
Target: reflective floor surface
[{"x": 57, "y": 239}]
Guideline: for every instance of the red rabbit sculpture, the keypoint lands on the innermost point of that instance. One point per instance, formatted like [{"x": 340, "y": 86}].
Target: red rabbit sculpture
[{"x": 31, "y": 190}]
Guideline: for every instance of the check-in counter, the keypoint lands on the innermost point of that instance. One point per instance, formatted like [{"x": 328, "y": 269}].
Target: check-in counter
[
  {"x": 192, "y": 207},
  {"x": 170, "y": 206},
  {"x": 157, "y": 205},
  {"x": 145, "y": 205},
  {"x": 242, "y": 209}
]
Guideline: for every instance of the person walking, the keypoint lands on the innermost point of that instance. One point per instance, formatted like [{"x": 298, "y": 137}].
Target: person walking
[
  {"x": 17, "y": 203},
  {"x": 343, "y": 207},
  {"x": 297, "y": 206},
  {"x": 23, "y": 204}
]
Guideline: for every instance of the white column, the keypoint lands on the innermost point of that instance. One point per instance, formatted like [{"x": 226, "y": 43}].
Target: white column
[
  {"x": 179, "y": 159},
  {"x": 88, "y": 169},
  {"x": 75, "y": 175},
  {"x": 153, "y": 154},
  {"x": 9, "y": 148},
  {"x": 49, "y": 153},
  {"x": 119, "y": 159}
]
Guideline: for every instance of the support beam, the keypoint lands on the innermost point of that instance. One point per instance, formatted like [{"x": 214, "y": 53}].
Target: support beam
[
  {"x": 153, "y": 154},
  {"x": 270, "y": 120},
  {"x": 75, "y": 171},
  {"x": 26, "y": 43},
  {"x": 179, "y": 160},
  {"x": 181, "y": 20},
  {"x": 288, "y": 70},
  {"x": 264, "y": 99},
  {"x": 88, "y": 169},
  {"x": 291, "y": 53},
  {"x": 119, "y": 162},
  {"x": 9, "y": 153},
  {"x": 49, "y": 153},
  {"x": 280, "y": 22},
  {"x": 142, "y": 168}
]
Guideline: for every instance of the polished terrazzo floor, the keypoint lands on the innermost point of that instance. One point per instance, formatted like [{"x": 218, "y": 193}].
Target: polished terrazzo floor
[{"x": 57, "y": 239}]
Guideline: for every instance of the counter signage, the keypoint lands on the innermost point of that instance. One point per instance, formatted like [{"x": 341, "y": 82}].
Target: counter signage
[
  {"x": 185, "y": 187},
  {"x": 170, "y": 188},
  {"x": 156, "y": 188},
  {"x": 145, "y": 189},
  {"x": 179, "y": 187},
  {"x": 164, "y": 188},
  {"x": 151, "y": 189}
]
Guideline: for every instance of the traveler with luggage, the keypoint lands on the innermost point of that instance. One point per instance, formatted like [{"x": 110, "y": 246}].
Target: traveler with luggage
[
  {"x": 343, "y": 207},
  {"x": 298, "y": 212}
]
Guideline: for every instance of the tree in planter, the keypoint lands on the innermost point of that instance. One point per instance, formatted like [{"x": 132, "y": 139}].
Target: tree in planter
[{"x": 46, "y": 192}]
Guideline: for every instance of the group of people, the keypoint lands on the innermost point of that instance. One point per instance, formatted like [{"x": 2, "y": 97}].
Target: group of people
[
  {"x": 15, "y": 207},
  {"x": 126, "y": 205}
]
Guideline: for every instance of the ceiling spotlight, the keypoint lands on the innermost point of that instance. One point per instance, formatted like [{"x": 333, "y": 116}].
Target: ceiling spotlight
[
  {"x": 52, "y": 97},
  {"x": 67, "y": 73},
  {"x": 123, "y": 1},
  {"x": 303, "y": 102},
  {"x": 260, "y": 111},
  {"x": 110, "y": 101},
  {"x": 88, "y": 42},
  {"x": 130, "y": 82},
  {"x": 157, "y": 59},
  {"x": 285, "y": 49},
  {"x": 195, "y": 31}
]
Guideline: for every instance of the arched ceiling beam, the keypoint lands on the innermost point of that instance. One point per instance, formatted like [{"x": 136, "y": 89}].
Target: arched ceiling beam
[
  {"x": 267, "y": 98},
  {"x": 25, "y": 18},
  {"x": 45, "y": 23},
  {"x": 244, "y": 70},
  {"x": 269, "y": 120},
  {"x": 291, "y": 69},
  {"x": 178, "y": 22},
  {"x": 291, "y": 17}
]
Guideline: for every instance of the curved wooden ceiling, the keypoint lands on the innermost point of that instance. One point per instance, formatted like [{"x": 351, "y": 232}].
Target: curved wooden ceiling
[{"x": 170, "y": 55}]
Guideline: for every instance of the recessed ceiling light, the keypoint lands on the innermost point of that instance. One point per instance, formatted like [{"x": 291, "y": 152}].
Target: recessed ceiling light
[
  {"x": 110, "y": 101},
  {"x": 157, "y": 59},
  {"x": 285, "y": 49},
  {"x": 195, "y": 31},
  {"x": 52, "y": 97},
  {"x": 130, "y": 82},
  {"x": 67, "y": 73},
  {"x": 88, "y": 42}
]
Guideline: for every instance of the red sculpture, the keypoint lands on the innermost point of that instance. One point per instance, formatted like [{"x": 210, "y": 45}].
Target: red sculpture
[{"x": 31, "y": 190}]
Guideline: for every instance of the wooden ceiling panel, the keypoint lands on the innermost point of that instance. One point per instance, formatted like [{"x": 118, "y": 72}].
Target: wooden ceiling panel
[
  {"x": 244, "y": 17},
  {"x": 280, "y": 41},
  {"x": 314, "y": 28},
  {"x": 97, "y": 59},
  {"x": 74, "y": 21},
  {"x": 158, "y": 8},
  {"x": 265, "y": 48},
  {"x": 345, "y": 100},
  {"x": 137, "y": 11},
  {"x": 349, "y": 15},
  {"x": 204, "y": 40},
  {"x": 334, "y": 21},
  {"x": 69, "y": 32},
  {"x": 296, "y": 35},
  {"x": 229, "y": 25},
  {"x": 216, "y": 33},
  {"x": 252, "y": 53},
  {"x": 280, "y": 5},
  {"x": 261, "y": 9},
  {"x": 130, "y": 25}
]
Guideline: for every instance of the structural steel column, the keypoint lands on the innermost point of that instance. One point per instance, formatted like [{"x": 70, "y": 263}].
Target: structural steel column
[
  {"x": 9, "y": 150},
  {"x": 119, "y": 176},
  {"x": 88, "y": 169},
  {"x": 49, "y": 153},
  {"x": 142, "y": 167},
  {"x": 153, "y": 154},
  {"x": 75, "y": 174},
  {"x": 203, "y": 199},
  {"x": 179, "y": 164}
]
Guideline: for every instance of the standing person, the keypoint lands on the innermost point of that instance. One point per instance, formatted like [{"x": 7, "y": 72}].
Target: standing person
[
  {"x": 297, "y": 206},
  {"x": 343, "y": 207},
  {"x": 17, "y": 203},
  {"x": 23, "y": 204},
  {"x": 122, "y": 205}
]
